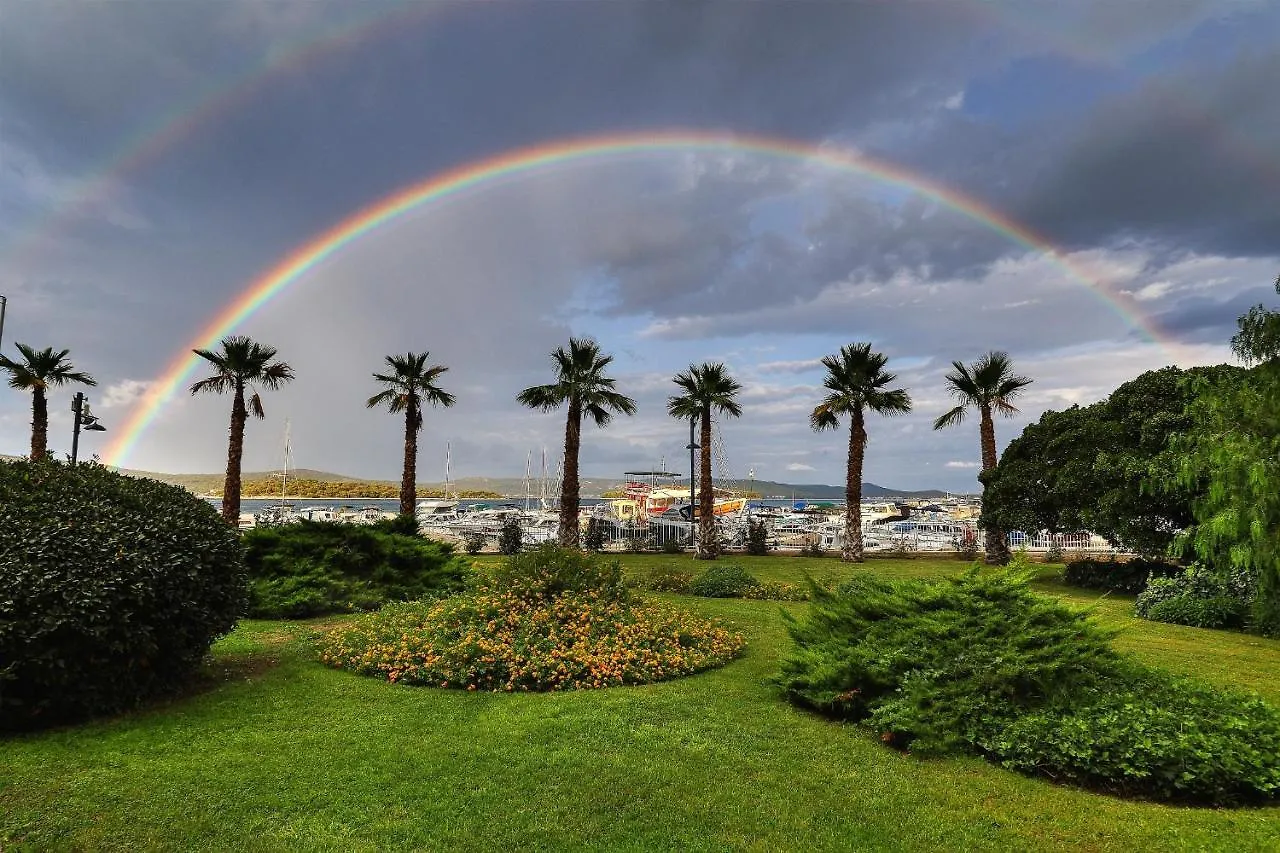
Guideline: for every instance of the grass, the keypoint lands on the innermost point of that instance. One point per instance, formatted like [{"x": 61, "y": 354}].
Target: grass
[{"x": 278, "y": 752}]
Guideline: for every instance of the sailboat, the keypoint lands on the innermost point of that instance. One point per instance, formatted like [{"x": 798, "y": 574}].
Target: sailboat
[{"x": 436, "y": 512}]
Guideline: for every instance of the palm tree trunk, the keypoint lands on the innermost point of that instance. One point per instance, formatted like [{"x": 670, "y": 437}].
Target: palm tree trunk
[
  {"x": 996, "y": 547},
  {"x": 39, "y": 425},
  {"x": 409, "y": 476},
  {"x": 708, "y": 545},
  {"x": 235, "y": 452},
  {"x": 568, "y": 531},
  {"x": 852, "y": 551}
]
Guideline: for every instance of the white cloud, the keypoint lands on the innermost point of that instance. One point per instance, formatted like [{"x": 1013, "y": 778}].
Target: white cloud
[
  {"x": 126, "y": 392},
  {"x": 957, "y": 464},
  {"x": 800, "y": 466},
  {"x": 1152, "y": 291},
  {"x": 955, "y": 102}
]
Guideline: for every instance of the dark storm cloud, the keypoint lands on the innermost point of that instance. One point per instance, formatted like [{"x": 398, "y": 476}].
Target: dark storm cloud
[{"x": 1202, "y": 318}]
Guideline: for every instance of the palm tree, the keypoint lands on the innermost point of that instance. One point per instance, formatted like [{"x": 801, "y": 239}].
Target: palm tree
[
  {"x": 38, "y": 372},
  {"x": 988, "y": 385},
  {"x": 240, "y": 364},
  {"x": 706, "y": 387},
  {"x": 581, "y": 385},
  {"x": 858, "y": 382},
  {"x": 410, "y": 384}
]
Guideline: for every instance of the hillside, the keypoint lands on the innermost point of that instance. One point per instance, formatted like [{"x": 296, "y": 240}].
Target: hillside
[{"x": 512, "y": 486}]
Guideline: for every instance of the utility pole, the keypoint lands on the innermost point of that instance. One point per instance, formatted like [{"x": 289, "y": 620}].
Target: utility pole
[{"x": 693, "y": 524}]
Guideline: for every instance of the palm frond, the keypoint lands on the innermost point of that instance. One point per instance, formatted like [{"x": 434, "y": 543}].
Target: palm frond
[
  {"x": 951, "y": 418},
  {"x": 255, "y": 406}
]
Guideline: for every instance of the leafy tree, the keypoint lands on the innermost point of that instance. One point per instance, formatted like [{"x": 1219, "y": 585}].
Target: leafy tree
[
  {"x": 410, "y": 383},
  {"x": 1090, "y": 467},
  {"x": 987, "y": 386},
  {"x": 241, "y": 364},
  {"x": 37, "y": 373},
  {"x": 858, "y": 382},
  {"x": 583, "y": 388},
  {"x": 1238, "y": 516},
  {"x": 708, "y": 388}
]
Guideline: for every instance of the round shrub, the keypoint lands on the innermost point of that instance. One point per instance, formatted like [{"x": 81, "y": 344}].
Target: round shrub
[
  {"x": 549, "y": 620},
  {"x": 1129, "y": 576},
  {"x": 112, "y": 589},
  {"x": 311, "y": 568},
  {"x": 723, "y": 581}
]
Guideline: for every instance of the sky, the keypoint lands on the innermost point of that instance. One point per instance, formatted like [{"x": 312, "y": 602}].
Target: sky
[{"x": 158, "y": 159}]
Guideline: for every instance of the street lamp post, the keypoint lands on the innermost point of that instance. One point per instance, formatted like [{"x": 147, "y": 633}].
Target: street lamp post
[
  {"x": 84, "y": 419},
  {"x": 4, "y": 303},
  {"x": 693, "y": 524}
]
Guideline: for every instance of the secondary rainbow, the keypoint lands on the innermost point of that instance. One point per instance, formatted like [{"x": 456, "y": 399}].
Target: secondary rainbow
[{"x": 478, "y": 175}]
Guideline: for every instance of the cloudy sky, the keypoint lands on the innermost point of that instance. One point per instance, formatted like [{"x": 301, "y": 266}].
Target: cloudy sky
[{"x": 156, "y": 159}]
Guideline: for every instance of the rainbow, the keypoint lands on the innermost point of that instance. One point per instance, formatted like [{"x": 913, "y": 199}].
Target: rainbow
[{"x": 478, "y": 175}]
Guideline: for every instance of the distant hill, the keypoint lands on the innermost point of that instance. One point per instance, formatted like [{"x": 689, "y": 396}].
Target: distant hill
[{"x": 514, "y": 486}]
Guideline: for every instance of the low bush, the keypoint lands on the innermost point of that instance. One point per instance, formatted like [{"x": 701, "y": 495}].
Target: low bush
[
  {"x": 776, "y": 591},
  {"x": 812, "y": 549},
  {"x": 550, "y": 619},
  {"x": 672, "y": 546},
  {"x": 596, "y": 536},
  {"x": 316, "y": 567},
  {"x": 474, "y": 543},
  {"x": 112, "y": 589},
  {"x": 667, "y": 579},
  {"x": 1198, "y": 597},
  {"x": 723, "y": 581},
  {"x": 1130, "y": 576},
  {"x": 979, "y": 664}
]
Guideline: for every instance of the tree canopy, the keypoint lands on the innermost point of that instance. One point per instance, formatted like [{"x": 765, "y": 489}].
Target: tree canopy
[{"x": 1092, "y": 467}]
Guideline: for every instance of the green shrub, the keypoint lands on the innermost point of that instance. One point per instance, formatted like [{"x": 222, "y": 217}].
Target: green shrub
[
  {"x": 723, "y": 581},
  {"x": 594, "y": 539},
  {"x": 776, "y": 591},
  {"x": 549, "y": 619},
  {"x": 1130, "y": 576},
  {"x": 812, "y": 549},
  {"x": 672, "y": 546},
  {"x": 404, "y": 525},
  {"x": 549, "y": 570},
  {"x": 667, "y": 579},
  {"x": 474, "y": 543},
  {"x": 511, "y": 538},
  {"x": 316, "y": 567},
  {"x": 979, "y": 664},
  {"x": 637, "y": 544},
  {"x": 112, "y": 589},
  {"x": 757, "y": 538},
  {"x": 1198, "y": 597}
]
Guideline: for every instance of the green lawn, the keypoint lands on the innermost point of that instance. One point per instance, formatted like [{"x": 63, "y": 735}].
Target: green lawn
[{"x": 280, "y": 752}]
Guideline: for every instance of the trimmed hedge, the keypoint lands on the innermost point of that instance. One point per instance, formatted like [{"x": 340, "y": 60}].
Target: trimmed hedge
[
  {"x": 112, "y": 589},
  {"x": 312, "y": 568},
  {"x": 979, "y": 664},
  {"x": 1130, "y": 576},
  {"x": 723, "y": 581}
]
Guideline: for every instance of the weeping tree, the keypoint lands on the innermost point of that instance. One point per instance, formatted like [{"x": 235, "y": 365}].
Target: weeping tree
[
  {"x": 37, "y": 372},
  {"x": 1238, "y": 515},
  {"x": 988, "y": 386},
  {"x": 239, "y": 365},
  {"x": 409, "y": 385},
  {"x": 858, "y": 383},
  {"x": 583, "y": 388},
  {"x": 708, "y": 388}
]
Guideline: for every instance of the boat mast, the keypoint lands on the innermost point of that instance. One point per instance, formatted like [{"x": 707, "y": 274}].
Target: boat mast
[
  {"x": 448, "y": 462},
  {"x": 284, "y": 476}
]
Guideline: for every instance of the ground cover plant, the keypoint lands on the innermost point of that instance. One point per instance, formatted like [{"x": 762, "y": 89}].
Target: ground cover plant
[
  {"x": 281, "y": 752},
  {"x": 112, "y": 589},
  {"x": 313, "y": 568},
  {"x": 546, "y": 619},
  {"x": 979, "y": 664}
]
